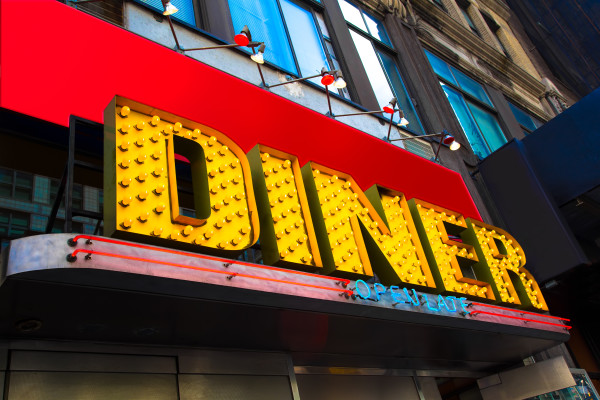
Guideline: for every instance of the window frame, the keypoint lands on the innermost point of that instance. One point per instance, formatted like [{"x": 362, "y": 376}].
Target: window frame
[
  {"x": 312, "y": 7},
  {"x": 494, "y": 28},
  {"x": 467, "y": 97},
  {"x": 464, "y": 8},
  {"x": 14, "y": 185},
  {"x": 440, "y": 5},
  {"x": 534, "y": 119},
  {"x": 198, "y": 9},
  {"x": 381, "y": 47},
  {"x": 9, "y": 225}
]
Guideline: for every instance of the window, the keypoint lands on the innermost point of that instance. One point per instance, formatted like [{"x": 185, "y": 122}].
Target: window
[
  {"x": 440, "y": 4},
  {"x": 528, "y": 122},
  {"x": 472, "y": 106},
  {"x": 377, "y": 55},
  {"x": 185, "y": 7},
  {"x": 464, "y": 7},
  {"x": 13, "y": 224},
  {"x": 294, "y": 33},
  {"x": 77, "y": 196},
  {"x": 495, "y": 28},
  {"x": 16, "y": 184}
]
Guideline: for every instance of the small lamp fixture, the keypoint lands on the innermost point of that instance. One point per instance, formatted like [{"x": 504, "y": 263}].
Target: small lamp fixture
[
  {"x": 339, "y": 83},
  {"x": 448, "y": 139},
  {"x": 454, "y": 146},
  {"x": 326, "y": 77},
  {"x": 403, "y": 121},
  {"x": 170, "y": 9},
  {"x": 259, "y": 57},
  {"x": 244, "y": 37},
  {"x": 391, "y": 107},
  {"x": 445, "y": 138}
]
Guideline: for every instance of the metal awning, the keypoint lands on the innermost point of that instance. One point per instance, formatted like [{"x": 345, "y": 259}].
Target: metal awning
[{"x": 102, "y": 298}]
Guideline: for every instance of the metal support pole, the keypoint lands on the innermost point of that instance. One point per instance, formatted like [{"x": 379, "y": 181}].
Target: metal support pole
[
  {"x": 359, "y": 113},
  {"x": 173, "y": 31},
  {"x": 390, "y": 129},
  {"x": 418, "y": 137},
  {"x": 437, "y": 153},
  {"x": 294, "y": 80},
  {"x": 70, "y": 171},
  {"x": 220, "y": 46},
  {"x": 262, "y": 78},
  {"x": 328, "y": 100},
  {"x": 57, "y": 201}
]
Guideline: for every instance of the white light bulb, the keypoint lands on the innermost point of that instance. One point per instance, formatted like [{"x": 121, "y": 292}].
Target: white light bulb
[
  {"x": 170, "y": 9},
  {"x": 403, "y": 122},
  {"x": 339, "y": 83},
  {"x": 258, "y": 58}
]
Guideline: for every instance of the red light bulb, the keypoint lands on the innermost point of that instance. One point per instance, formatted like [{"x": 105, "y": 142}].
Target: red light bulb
[
  {"x": 241, "y": 39},
  {"x": 327, "y": 79}
]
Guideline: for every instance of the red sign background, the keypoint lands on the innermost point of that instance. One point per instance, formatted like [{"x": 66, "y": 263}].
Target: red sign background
[{"x": 56, "y": 61}]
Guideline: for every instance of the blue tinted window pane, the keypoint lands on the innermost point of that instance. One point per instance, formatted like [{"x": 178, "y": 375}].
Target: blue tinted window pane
[
  {"x": 440, "y": 68},
  {"x": 185, "y": 7},
  {"x": 352, "y": 15},
  {"x": 375, "y": 72},
  {"x": 305, "y": 39},
  {"x": 266, "y": 25},
  {"x": 401, "y": 94},
  {"x": 470, "y": 86},
  {"x": 376, "y": 29},
  {"x": 466, "y": 121},
  {"x": 488, "y": 125},
  {"x": 523, "y": 118}
]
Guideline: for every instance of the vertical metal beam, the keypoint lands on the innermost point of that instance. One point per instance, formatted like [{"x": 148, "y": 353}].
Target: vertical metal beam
[
  {"x": 57, "y": 201},
  {"x": 418, "y": 387},
  {"x": 70, "y": 171},
  {"x": 293, "y": 381}
]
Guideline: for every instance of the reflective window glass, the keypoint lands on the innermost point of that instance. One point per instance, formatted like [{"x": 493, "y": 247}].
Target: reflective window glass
[
  {"x": 527, "y": 121},
  {"x": 375, "y": 72},
  {"x": 293, "y": 34},
  {"x": 382, "y": 71},
  {"x": 353, "y": 15},
  {"x": 475, "y": 114},
  {"x": 376, "y": 29},
  {"x": 305, "y": 39},
  {"x": 472, "y": 87},
  {"x": 488, "y": 125},
  {"x": 440, "y": 68},
  {"x": 265, "y": 24},
  {"x": 467, "y": 122},
  {"x": 401, "y": 94},
  {"x": 470, "y": 22},
  {"x": 185, "y": 7}
]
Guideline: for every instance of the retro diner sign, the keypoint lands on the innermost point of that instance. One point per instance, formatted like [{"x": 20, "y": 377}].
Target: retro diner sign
[
  {"x": 325, "y": 216},
  {"x": 307, "y": 217}
]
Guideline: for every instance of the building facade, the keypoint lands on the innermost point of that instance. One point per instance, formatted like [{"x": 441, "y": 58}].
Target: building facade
[{"x": 155, "y": 321}]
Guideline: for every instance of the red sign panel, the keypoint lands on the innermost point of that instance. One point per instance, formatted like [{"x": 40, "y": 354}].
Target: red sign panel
[{"x": 56, "y": 61}]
